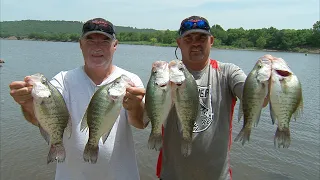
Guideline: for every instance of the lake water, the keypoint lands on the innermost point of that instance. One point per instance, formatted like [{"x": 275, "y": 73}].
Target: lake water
[{"x": 23, "y": 150}]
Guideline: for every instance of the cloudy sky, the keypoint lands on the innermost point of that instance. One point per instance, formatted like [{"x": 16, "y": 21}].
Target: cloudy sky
[{"x": 167, "y": 14}]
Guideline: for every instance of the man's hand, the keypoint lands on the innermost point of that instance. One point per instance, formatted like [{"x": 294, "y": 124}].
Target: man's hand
[
  {"x": 21, "y": 93},
  {"x": 133, "y": 103}
]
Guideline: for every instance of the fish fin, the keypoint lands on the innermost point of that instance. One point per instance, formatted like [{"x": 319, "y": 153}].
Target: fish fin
[
  {"x": 299, "y": 111},
  {"x": 282, "y": 138},
  {"x": 186, "y": 146},
  {"x": 84, "y": 124},
  {"x": 155, "y": 141},
  {"x": 240, "y": 111},
  {"x": 244, "y": 135},
  {"x": 258, "y": 119},
  {"x": 90, "y": 153},
  {"x": 178, "y": 123},
  {"x": 266, "y": 101},
  {"x": 44, "y": 134},
  {"x": 56, "y": 153},
  {"x": 69, "y": 128},
  {"x": 272, "y": 114},
  {"x": 105, "y": 136},
  {"x": 145, "y": 119}
]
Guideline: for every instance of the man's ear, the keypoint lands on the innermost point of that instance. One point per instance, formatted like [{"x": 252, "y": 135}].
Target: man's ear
[
  {"x": 178, "y": 41},
  {"x": 211, "y": 40},
  {"x": 115, "y": 44}
]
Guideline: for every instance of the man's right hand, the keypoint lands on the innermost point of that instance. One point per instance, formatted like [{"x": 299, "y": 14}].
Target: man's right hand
[{"x": 21, "y": 93}]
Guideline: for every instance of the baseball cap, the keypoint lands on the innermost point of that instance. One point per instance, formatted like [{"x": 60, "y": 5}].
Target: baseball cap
[
  {"x": 98, "y": 25},
  {"x": 194, "y": 24}
]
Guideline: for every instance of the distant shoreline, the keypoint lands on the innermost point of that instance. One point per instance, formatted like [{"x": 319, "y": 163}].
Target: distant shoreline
[{"x": 306, "y": 51}]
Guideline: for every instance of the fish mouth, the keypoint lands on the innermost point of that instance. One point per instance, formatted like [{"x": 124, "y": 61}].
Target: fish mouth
[
  {"x": 161, "y": 85},
  {"x": 283, "y": 73},
  {"x": 114, "y": 97},
  {"x": 160, "y": 64},
  {"x": 177, "y": 83},
  {"x": 172, "y": 63}
]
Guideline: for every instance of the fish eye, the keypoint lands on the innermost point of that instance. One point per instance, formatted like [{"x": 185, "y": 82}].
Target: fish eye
[
  {"x": 43, "y": 80},
  {"x": 180, "y": 67}
]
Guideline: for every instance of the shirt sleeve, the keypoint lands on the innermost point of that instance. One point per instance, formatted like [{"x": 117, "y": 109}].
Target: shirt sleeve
[
  {"x": 137, "y": 81},
  {"x": 58, "y": 82},
  {"x": 236, "y": 78}
]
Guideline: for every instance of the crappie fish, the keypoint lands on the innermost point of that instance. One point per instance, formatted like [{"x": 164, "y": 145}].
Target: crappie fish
[
  {"x": 101, "y": 114},
  {"x": 285, "y": 100},
  {"x": 255, "y": 91},
  {"x": 185, "y": 97},
  {"x": 158, "y": 101},
  {"x": 52, "y": 114}
]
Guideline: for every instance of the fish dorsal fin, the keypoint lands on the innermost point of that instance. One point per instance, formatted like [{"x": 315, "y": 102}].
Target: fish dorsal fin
[
  {"x": 84, "y": 124},
  {"x": 272, "y": 114},
  {"x": 299, "y": 111},
  {"x": 256, "y": 121},
  {"x": 68, "y": 129},
  {"x": 44, "y": 134},
  {"x": 105, "y": 136},
  {"x": 145, "y": 119},
  {"x": 240, "y": 111}
]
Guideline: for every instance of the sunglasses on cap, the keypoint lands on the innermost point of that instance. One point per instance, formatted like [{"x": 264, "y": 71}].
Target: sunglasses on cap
[
  {"x": 103, "y": 27},
  {"x": 194, "y": 24}
]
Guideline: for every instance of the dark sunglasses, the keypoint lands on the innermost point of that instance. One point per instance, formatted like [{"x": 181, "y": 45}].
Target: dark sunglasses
[
  {"x": 98, "y": 27},
  {"x": 192, "y": 24}
]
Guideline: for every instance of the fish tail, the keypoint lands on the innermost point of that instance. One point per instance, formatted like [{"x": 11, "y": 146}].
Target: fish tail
[
  {"x": 186, "y": 146},
  {"x": 244, "y": 135},
  {"x": 90, "y": 153},
  {"x": 282, "y": 138},
  {"x": 155, "y": 141},
  {"x": 56, "y": 153}
]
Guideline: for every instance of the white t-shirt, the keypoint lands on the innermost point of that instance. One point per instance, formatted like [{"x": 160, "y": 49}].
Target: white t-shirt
[{"x": 116, "y": 160}]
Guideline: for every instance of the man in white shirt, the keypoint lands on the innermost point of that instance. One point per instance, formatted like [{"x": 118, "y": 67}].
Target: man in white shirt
[{"x": 116, "y": 158}]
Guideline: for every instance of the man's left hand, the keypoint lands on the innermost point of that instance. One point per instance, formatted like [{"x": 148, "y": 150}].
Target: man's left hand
[{"x": 133, "y": 98}]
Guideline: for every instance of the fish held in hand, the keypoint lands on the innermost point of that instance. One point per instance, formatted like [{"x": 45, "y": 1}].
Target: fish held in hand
[
  {"x": 254, "y": 93},
  {"x": 158, "y": 102},
  {"x": 101, "y": 114},
  {"x": 185, "y": 97},
  {"x": 286, "y": 100},
  {"x": 52, "y": 114}
]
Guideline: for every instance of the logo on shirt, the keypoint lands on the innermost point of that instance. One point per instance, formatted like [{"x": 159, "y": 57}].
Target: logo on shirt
[{"x": 206, "y": 114}]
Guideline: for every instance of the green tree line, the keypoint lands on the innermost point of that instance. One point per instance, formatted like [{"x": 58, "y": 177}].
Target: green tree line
[
  {"x": 269, "y": 38},
  {"x": 266, "y": 38}
]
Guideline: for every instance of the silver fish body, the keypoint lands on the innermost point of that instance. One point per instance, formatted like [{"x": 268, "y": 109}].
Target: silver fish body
[
  {"x": 255, "y": 91},
  {"x": 185, "y": 97},
  {"x": 286, "y": 100},
  {"x": 101, "y": 114},
  {"x": 52, "y": 114},
  {"x": 158, "y": 102}
]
